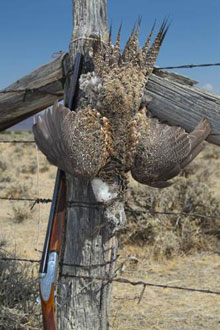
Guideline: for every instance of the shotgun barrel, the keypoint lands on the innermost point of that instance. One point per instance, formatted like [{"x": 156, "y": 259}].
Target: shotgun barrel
[{"x": 53, "y": 239}]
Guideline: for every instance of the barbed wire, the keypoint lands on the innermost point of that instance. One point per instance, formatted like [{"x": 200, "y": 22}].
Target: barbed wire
[
  {"x": 34, "y": 200},
  {"x": 121, "y": 280},
  {"x": 98, "y": 204},
  {"x": 40, "y": 91},
  {"x": 187, "y": 66},
  {"x": 48, "y": 200},
  {"x": 196, "y": 215},
  {"x": 139, "y": 282},
  {"x": 16, "y": 141},
  {"x": 61, "y": 263},
  {"x": 84, "y": 204},
  {"x": 19, "y": 259},
  {"x": 153, "y": 212}
]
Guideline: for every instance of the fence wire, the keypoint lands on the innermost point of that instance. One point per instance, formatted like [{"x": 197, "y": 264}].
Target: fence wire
[
  {"x": 16, "y": 141},
  {"x": 140, "y": 282},
  {"x": 121, "y": 280},
  {"x": 187, "y": 66},
  {"x": 128, "y": 209},
  {"x": 39, "y": 90},
  {"x": 95, "y": 205}
]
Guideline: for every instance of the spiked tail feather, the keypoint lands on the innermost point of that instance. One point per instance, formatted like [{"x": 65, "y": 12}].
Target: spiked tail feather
[
  {"x": 146, "y": 47},
  {"x": 152, "y": 54}
]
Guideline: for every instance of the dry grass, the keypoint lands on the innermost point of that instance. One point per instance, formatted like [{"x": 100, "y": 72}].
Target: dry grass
[
  {"x": 172, "y": 235},
  {"x": 18, "y": 293},
  {"x": 4, "y": 164},
  {"x": 21, "y": 212},
  {"x": 156, "y": 248},
  {"x": 18, "y": 189},
  {"x": 24, "y": 228},
  {"x": 30, "y": 167},
  {"x": 167, "y": 309},
  {"x": 196, "y": 191}
]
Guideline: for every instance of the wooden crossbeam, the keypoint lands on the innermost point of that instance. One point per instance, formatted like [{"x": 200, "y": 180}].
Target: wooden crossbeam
[
  {"x": 174, "y": 98},
  {"x": 32, "y": 93}
]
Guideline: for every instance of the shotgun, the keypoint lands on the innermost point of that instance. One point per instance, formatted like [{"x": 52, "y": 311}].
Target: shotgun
[
  {"x": 52, "y": 247},
  {"x": 53, "y": 241}
]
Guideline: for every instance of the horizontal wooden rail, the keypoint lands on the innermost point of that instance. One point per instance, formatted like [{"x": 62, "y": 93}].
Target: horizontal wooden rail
[
  {"x": 184, "y": 105},
  {"x": 174, "y": 98},
  {"x": 32, "y": 93}
]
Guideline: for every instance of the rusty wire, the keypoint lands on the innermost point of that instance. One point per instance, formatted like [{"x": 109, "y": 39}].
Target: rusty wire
[
  {"x": 121, "y": 280},
  {"x": 139, "y": 282}
]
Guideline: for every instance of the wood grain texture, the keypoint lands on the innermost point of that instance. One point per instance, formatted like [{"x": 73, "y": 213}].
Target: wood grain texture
[
  {"x": 48, "y": 312},
  {"x": 175, "y": 99},
  {"x": 184, "y": 105},
  {"x": 173, "y": 76},
  {"x": 89, "y": 240},
  {"x": 90, "y": 21},
  {"x": 45, "y": 86}
]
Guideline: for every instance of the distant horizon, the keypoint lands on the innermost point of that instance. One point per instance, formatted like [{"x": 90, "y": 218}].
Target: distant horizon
[{"x": 25, "y": 125}]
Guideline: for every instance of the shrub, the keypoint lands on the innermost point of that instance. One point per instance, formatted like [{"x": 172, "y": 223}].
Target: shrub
[
  {"x": 18, "y": 189},
  {"x": 172, "y": 234},
  {"x": 19, "y": 150},
  {"x": 18, "y": 294},
  {"x": 4, "y": 163},
  {"x": 31, "y": 167},
  {"x": 21, "y": 212}
]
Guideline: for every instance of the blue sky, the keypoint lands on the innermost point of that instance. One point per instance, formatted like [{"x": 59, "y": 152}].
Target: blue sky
[{"x": 31, "y": 31}]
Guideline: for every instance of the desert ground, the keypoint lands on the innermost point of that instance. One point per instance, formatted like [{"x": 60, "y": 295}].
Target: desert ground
[{"x": 177, "y": 249}]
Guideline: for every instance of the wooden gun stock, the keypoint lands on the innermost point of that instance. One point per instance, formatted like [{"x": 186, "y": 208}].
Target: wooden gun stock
[{"x": 48, "y": 311}]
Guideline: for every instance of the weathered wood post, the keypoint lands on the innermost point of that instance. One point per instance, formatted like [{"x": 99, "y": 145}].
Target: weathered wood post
[{"x": 90, "y": 243}]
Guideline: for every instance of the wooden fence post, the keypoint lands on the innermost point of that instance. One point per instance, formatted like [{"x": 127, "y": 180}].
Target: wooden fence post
[{"x": 90, "y": 243}]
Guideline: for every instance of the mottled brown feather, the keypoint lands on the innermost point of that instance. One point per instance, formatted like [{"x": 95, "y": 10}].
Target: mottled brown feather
[
  {"x": 163, "y": 151},
  {"x": 78, "y": 143}
]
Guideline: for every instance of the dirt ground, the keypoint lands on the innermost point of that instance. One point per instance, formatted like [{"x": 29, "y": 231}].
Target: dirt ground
[
  {"x": 21, "y": 227},
  {"x": 171, "y": 250},
  {"x": 168, "y": 308}
]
